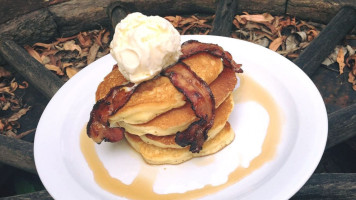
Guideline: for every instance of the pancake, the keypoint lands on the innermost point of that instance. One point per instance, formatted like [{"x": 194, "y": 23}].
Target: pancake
[
  {"x": 156, "y": 155},
  {"x": 222, "y": 114},
  {"x": 158, "y": 95},
  {"x": 179, "y": 119}
]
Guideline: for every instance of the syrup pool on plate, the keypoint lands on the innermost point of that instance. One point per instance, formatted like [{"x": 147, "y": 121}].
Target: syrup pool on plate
[{"x": 257, "y": 125}]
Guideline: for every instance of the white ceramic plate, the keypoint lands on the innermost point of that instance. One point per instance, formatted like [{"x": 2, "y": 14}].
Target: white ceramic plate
[{"x": 66, "y": 175}]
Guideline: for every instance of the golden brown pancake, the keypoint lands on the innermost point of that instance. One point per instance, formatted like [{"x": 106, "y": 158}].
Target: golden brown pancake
[
  {"x": 222, "y": 114},
  {"x": 179, "y": 119},
  {"x": 156, "y": 155},
  {"x": 158, "y": 95}
]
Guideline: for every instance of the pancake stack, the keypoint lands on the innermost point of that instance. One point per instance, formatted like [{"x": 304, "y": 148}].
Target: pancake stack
[{"x": 157, "y": 111}]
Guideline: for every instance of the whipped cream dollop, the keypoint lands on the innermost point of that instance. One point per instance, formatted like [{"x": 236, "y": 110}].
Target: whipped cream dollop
[{"x": 144, "y": 45}]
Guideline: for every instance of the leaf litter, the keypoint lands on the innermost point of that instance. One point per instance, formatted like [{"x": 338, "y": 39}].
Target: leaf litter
[{"x": 65, "y": 57}]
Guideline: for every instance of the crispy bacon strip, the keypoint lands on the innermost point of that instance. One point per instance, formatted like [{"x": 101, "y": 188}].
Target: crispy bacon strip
[
  {"x": 192, "y": 47},
  {"x": 202, "y": 101},
  {"x": 98, "y": 126}
]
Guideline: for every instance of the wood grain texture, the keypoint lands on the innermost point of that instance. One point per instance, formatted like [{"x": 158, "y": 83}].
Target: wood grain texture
[
  {"x": 342, "y": 125},
  {"x": 311, "y": 58},
  {"x": 37, "y": 26},
  {"x": 17, "y": 153},
  {"x": 328, "y": 186},
  {"x": 44, "y": 80},
  {"x": 224, "y": 15},
  {"x": 14, "y": 8},
  {"x": 274, "y": 7},
  {"x": 317, "y": 10},
  {"x": 78, "y": 15}
]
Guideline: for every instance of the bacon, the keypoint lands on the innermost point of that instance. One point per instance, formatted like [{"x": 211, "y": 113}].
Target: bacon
[
  {"x": 98, "y": 127},
  {"x": 202, "y": 102},
  {"x": 192, "y": 47},
  {"x": 196, "y": 91}
]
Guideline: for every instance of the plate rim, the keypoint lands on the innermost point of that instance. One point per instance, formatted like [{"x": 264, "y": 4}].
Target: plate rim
[{"x": 62, "y": 90}]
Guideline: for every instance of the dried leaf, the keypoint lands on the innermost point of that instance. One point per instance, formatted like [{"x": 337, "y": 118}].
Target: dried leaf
[
  {"x": 92, "y": 53},
  {"x": 71, "y": 46},
  {"x": 65, "y": 65},
  {"x": 55, "y": 69},
  {"x": 2, "y": 126},
  {"x": 275, "y": 44},
  {"x": 19, "y": 114},
  {"x": 98, "y": 38},
  {"x": 265, "y": 17},
  {"x": 106, "y": 37},
  {"x": 85, "y": 41},
  {"x": 23, "y": 134},
  {"x": 49, "y": 52},
  {"x": 340, "y": 60},
  {"x": 44, "y": 45},
  {"x": 174, "y": 20},
  {"x": 33, "y": 53},
  {"x": 71, "y": 71}
]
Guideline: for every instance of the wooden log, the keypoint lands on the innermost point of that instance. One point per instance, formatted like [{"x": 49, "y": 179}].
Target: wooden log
[
  {"x": 317, "y": 10},
  {"x": 37, "y": 26},
  {"x": 342, "y": 125},
  {"x": 116, "y": 12},
  {"x": 17, "y": 153},
  {"x": 44, "y": 80},
  {"x": 329, "y": 186},
  {"x": 77, "y": 15},
  {"x": 15, "y": 8},
  {"x": 274, "y": 7},
  {"x": 343, "y": 22},
  {"x": 225, "y": 13},
  {"x": 40, "y": 195}
]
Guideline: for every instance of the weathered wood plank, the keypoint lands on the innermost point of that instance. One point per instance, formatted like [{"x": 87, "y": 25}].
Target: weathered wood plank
[
  {"x": 274, "y": 7},
  {"x": 15, "y": 8},
  {"x": 17, "y": 153},
  {"x": 342, "y": 23},
  {"x": 329, "y": 186},
  {"x": 225, "y": 13},
  {"x": 342, "y": 125},
  {"x": 37, "y": 26},
  {"x": 40, "y": 195},
  {"x": 44, "y": 80},
  {"x": 77, "y": 15},
  {"x": 116, "y": 12},
  {"x": 317, "y": 10}
]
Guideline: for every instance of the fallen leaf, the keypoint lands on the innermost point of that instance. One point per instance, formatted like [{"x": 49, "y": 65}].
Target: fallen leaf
[
  {"x": 71, "y": 46},
  {"x": 55, "y": 69},
  {"x": 85, "y": 41},
  {"x": 92, "y": 53},
  {"x": 275, "y": 44},
  {"x": 98, "y": 38},
  {"x": 44, "y": 45},
  {"x": 340, "y": 60},
  {"x": 265, "y": 17},
  {"x": 71, "y": 71},
  {"x": 33, "y": 53},
  {"x": 18, "y": 114},
  {"x": 65, "y": 65},
  {"x": 106, "y": 37},
  {"x": 23, "y": 134}
]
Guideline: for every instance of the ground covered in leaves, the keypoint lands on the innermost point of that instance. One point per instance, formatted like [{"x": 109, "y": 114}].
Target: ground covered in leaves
[{"x": 286, "y": 35}]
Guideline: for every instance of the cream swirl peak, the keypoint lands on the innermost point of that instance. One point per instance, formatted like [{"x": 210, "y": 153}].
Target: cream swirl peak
[{"x": 144, "y": 45}]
